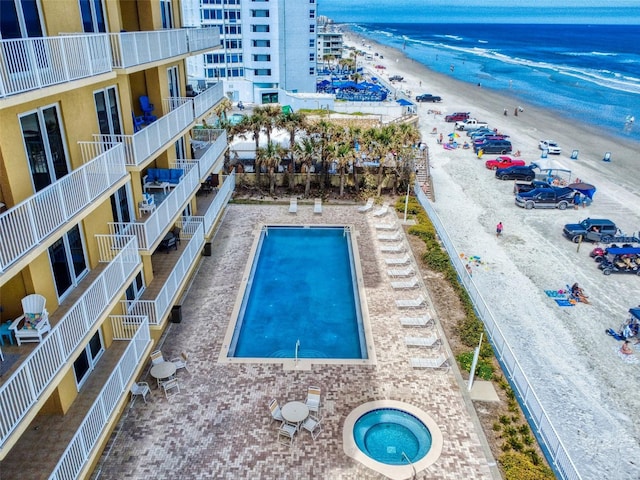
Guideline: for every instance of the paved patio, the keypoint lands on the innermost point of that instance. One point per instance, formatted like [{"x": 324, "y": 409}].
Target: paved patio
[{"x": 219, "y": 426}]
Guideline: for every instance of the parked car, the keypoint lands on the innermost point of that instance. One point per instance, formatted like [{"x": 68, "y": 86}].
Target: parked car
[
  {"x": 427, "y": 97},
  {"x": 482, "y": 138},
  {"x": 550, "y": 146},
  {"x": 592, "y": 229},
  {"x": 503, "y": 162},
  {"x": 395, "y": 78},
  {"x": 518, "y": 172},
  {"x": 494, "y": 146},
  {"x": 457, "y": 117},
  {"x": 621, "y": 260},
  {"x": 480, "y": 132},
  {"x": 553, "y": 197}
]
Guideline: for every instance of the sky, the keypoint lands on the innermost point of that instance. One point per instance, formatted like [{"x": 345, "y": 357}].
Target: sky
[{"x": 478, "y": 11}]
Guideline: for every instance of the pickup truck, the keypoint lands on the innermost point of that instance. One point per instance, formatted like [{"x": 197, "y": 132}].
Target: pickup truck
[
  {"x": 470, "y": 124},
  {"x": 523, "y": 187},
  {"x": 554, "y": 197}
]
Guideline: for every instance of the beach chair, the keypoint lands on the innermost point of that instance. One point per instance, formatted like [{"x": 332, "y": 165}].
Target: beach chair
[
  {"x": 293, "y": 205},
  {"x": 367, "y": 206},
  {"x": 405, "y": 285},
  {"x": 423, "y": 321},
  {"x": 382, "y": 211},
  {"x": 439, "y": 363},
  {"x": 410, "y": 302},
  {"x": 386, "y": 226},
  {"x": 398, "y": 261},
  {"x": 317, "y": 206},
  {"x": 385, "y": 237},
  {"x": 400, "y": 272},
  {"x": 398, "y": 248},
  {"x": 432, "y": 341}
]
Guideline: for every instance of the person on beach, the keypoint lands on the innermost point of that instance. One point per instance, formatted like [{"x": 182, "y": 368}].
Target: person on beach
[
  {"x": 499, "y": 229},
  {"x": 515, "y": 112},
  {"x": 440, "y": 138},
  {"x": 626, "y": 349},
  {"x": 576, "y": 200},
  {"x": 505, "y": 113},
  {"x": 578, "y": 293}
]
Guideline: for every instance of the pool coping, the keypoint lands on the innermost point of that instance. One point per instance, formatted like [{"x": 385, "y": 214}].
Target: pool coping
[
  {"x": 394, "y": 472},
  {"x": 302, "y": 363}
]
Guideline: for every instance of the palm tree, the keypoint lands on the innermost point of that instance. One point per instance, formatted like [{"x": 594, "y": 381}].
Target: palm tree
[
  {"x": 221, "y": 109},
  {"x": 293, "y": 123},
  {"x": 380, "y": 142},
  {"x": 308, "y": 150},
  {"x": 355, "y": 132},
  {"x": 270, "y": 156},
  {"x": 407, "y": 138}
]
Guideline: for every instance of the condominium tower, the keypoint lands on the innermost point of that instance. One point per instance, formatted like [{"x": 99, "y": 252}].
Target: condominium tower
[{"x": 110, "y": 190}]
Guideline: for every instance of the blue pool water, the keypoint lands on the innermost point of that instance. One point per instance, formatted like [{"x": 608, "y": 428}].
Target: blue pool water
[
  {"x": 302, "y": 287},
  {"x": 386, "y": 434}
]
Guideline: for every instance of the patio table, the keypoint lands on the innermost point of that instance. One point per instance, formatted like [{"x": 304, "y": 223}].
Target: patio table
[{"x": 295, "y": 412}]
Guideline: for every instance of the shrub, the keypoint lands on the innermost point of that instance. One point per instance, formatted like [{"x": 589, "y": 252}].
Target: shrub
[
  {"x": 484, "y": 369},
  {"x": 519, "y": 466}
]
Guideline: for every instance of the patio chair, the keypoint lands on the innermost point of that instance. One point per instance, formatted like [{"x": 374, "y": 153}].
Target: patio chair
[
  {"x": 411, "y": 302},
  {"x": 293, "y": 205},
  {"x": 313, "y": 399},
  {"x": 171, "y": 386},
  {"x": 140, "y": 389},
  {"x": 34, "y": 321},
  {"x": 398, "y": 248},
  {"x": 398, "y": 261},
  {"x": 274, "y": 408},
  {"x": 416, "y": 321},
  {"x": 313, "y": 425},
  {"x": 367, "y": 206},
  {"x": 432, "y": 341},
  {"x": 180, "y": 362},
  {"x": 157, "y": 357},
  {"x": 147, "y": 109},
  {"x": 382, "y": 210},
  {"x": 400, "y": 272},
  {"x": 317, "y": 206},
  {"x": 286, "y": 434},
  {"x": 138, "y": 122},
  {"x": 386, "y": 226},
  {"x": 147, "y": 205},
  {"x": 439, "y": 363},
  {"x": 385, "y": 237},
  {"x": 405, "y": 285}
]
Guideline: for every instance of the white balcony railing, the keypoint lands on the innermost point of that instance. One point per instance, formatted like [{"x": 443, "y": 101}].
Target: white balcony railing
[
  {"x": 222, "y": 198},
  {"x": 26, "y": 225},
  {"x": 203, "y": 38},
  {"x": 28, "y": 382},
  {"x": 206, "y": 100},
  {"x": 87, "y": 436},
  {"x": 135, "y": 48},
  {"x": 158, "y": 308},
  {"x": 32, "y": 63},
  {"x": 214, "y": 154},
  {"x": 140, "y": 146},
  {"x": 149, "y": 231}
]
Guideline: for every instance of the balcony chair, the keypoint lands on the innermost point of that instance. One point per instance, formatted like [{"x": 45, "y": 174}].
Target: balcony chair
[
  {"x": 34, "y": 323},
  {"x": 147, "y": 205},
  {"x": 140, "y": 389},
  {"x": 181, "y": 361},
  {"x": 138, "y": 122},
  {"x": 147, "y": 109}
]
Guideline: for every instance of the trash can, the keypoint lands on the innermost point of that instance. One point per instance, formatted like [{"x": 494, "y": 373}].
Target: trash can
[
  {"x": 176, "y": 314},
  {"x": 207, "y": 249}
]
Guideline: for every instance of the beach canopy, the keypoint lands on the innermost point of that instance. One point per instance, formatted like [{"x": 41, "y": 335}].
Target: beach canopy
[
  {"x": 403, "y": 102},
  {"x": 586, "y": 189}
]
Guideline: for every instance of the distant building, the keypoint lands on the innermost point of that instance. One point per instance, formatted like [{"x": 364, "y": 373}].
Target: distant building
[
  {"x": 267, "y": 47},
  {"x": 330, "y": 42}
]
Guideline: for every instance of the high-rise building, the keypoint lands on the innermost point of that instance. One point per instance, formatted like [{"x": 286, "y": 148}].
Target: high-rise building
[
  {"x": 267, "y": 47},
  {"x": 101, "y": 157}
]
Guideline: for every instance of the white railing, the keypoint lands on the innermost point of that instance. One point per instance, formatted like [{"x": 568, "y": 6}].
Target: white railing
[
  {"x": 135, "y": 48},
  {"x": 203, "y": 38},
  {"x": 554, "y": 448},
  {"x": 214, "y": 154},
  {"x": 140, "y": 146},
  {"x": 222, "y": 198},
  {"x": 28, "y": 382},
  {"x": 149, "y": 231},
  {"x": 33, "y": 63},
  {"x": 206, "y": 100},
  {"x": 87, "y": 436},
  {"x": 26, "y": 225},
  {"x": 158, "y": 308}
]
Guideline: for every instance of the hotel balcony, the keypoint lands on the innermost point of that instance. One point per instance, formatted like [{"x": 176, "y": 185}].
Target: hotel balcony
[
  {"x": 172, "y": 269},
  {"x": 30, "y": 226},
  {"x": 205, "y": 101},
  {"x": 40, "y": 367},
  {"x": 66, "y": 444},
  {"x": 203, "y": 39},
  {"x": 209, "y": 146}
]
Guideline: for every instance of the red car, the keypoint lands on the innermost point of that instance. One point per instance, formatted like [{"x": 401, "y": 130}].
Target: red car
[
  {"x": 457, "y": 117},
  {"x": 503, "y": 162}
]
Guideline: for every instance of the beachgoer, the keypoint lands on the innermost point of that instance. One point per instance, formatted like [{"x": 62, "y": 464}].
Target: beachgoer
[
  {"x": 578, "y": 293},
  {"x": 626, "y": 349},
  {"x": 499, "y": 229},
  {"x": 440, "y": 138},
  {"x": 469, "y": 271},
  {"x": 576, "y": 200},
  {"x": 505, "y": 112},
  {"x": 515, "y": 112},
  {"x": 435, "y": 130}
]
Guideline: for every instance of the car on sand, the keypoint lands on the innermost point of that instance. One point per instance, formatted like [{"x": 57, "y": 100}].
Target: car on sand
[
  {"x": 503, "y": 162},
  {"x": 457, "y": 117},
  {"x": 427, "y": 97},
  {"x": 550, "y": 146}
]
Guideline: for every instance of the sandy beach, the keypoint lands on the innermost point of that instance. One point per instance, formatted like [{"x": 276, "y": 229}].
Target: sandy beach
[{"x": 589, "y": 393}]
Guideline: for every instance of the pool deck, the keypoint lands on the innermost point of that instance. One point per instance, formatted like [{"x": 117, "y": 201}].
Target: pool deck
[{"x": 219, "y": 426}]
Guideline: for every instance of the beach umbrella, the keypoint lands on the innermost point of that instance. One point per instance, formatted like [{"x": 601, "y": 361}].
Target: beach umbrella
[
  {"x": 586, "y": 189},
  {"x": 454, "y": 135}
]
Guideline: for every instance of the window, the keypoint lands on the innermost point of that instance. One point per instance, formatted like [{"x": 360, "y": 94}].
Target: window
[
  {"x": 262, "y": 58},
  {"x": 232, "y": 15},
  {"x": 88, "y": 358},
  {"x": 261, "y": 43},
  {"x": 229, "y": 44},
  {"x": 270, "y": 97},
  {"x": 108, "y": 111},
  {"x": 45, "y": 146},
  {"x": 311, "y": 43},
  {"x": 233, "y": 29},
  {"x": 234, "y": 58},
  {"x": 312, "y": 57},
  {"x": 68, "y": 261},
  {"x": 260, "y": 13},
  {"x": 260, "y": 28},
  {"x": 312, "y": 14},
  {"x": 135, "y": 290},
  {"x": 174, "y": 88},
  {"x": 235, "y": 72},
  {"x": 215, "y": 72},
  {"x": 312, "y": 71},
  {"x": 92, "y": 14},
  {"x": 312, "y": 28},
  {"x": 166, "y": 11},
  {"x": 210, "y": 14},
  {"x": 262, "y": 72},
  {"x": 120, "y": 205},
  {"x": 214, "y": 58},
  {"x": 180, "y": 149},
  {"x": 20, "y": 19}
]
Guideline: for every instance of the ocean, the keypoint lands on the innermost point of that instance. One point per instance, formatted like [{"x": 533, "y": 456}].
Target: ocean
[{"x": 586, "y": 73}]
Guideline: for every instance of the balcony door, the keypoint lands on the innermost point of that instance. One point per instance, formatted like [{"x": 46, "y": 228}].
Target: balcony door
[
  {"x": 108, "y": 111},
  {"x": 20, "y": 19},
  {"x": 166, "y": 10},
  {"x": 68, "y": 261},
  {"x": 174, "y": 87},
  {"x": 45, "y": 146},
  {"x": 88, "y": 358},
  {"x": 93, "y": 19},
  {"x": 121, "y": 206}
]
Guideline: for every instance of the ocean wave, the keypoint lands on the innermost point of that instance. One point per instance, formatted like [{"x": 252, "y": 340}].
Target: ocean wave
[
  {"x": 450, "y": 37},
  {"x": 589, "y": 54}
]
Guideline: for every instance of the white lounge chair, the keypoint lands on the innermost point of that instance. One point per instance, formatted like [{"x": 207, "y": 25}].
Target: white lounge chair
[
  {"x": 382, "y": 210},
  {"x": 438, "y": 363},
  {"x": 403, "y": 285},
  {"x": 386, "y": 226},
  {"x": 390, "y": 238},
  {"x": 416, "y": 321},
  {"x": 398, "y": 261},
  {"x": 430, "y": 341},
  {"x": 293, "y": 205},
  {"x": 367, "y": 206},
  {"x": 398, "y": 248},
  {"x": 410, "y": 302},
  {"x": 400, "y": 272},
  {"x": 317, "y": 206}
]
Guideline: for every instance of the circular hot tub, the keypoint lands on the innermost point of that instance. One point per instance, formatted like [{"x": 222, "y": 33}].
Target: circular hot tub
[{"x": 392, "y": 438}]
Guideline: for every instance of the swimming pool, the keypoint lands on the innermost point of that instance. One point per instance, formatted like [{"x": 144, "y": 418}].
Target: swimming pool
[{"x": 302, "y": 285}]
